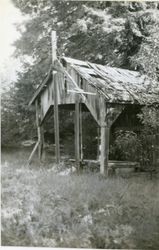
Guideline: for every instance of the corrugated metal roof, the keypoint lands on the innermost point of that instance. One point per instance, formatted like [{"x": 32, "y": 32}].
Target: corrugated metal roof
[{"x": 118, "y": 85}]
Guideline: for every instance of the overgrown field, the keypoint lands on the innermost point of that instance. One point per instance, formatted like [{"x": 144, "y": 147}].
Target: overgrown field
[{"x": 42, "y": 206}]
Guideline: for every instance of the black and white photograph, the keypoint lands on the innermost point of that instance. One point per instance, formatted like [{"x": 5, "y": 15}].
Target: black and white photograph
[{"x": 79, "y": 124}]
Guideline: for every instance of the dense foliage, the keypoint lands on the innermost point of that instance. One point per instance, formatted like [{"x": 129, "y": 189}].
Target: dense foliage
[
  {"x": 141, "y": 146},
  {"x": 122, "y": 34}
]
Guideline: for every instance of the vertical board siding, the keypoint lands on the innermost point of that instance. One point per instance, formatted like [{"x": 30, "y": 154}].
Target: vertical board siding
[
  {"x": 63, "y": 96},
  {"x": 66, "y": 97},
  {"x": 92, "y": 101},
  {"x": 71, "y": 97}
]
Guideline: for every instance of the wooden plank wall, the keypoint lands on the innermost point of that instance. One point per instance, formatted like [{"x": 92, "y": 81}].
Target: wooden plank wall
[
  {"x": 65, "y": 97},
  {"x": 92, "y": 101}
]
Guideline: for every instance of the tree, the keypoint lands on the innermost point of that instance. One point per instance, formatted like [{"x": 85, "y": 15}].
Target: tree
[
  {"x": 121, "y": 34},
  {"x": 115, "y": 31},
  {"x": 15, "y": 123}
]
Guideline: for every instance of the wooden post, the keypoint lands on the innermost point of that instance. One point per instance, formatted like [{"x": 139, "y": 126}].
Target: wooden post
[
  {"x": 56, "y": 113},
  {"x": 77, "y": 132},
  {"x": 81, "y": 134},
  {"x": 104, "y": 150},
  {"x": 43, "y": 143},
  {"x": 54, "y": 47},
  {"x": 78, "y": 125},
  {"x": 104, "y": 139},
  {"x": 98, "y": 143},
  {"x": 39, "y": 132},
  {"x": 56, "y": 121}
]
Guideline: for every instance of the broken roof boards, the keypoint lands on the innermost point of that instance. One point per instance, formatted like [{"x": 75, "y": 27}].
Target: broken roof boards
[{"x": 116, "y": 85}]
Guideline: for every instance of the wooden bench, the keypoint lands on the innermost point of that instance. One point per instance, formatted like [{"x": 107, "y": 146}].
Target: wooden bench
[
  {"x": 111, "y": 164},
  {"x": 123, "y": 164}
]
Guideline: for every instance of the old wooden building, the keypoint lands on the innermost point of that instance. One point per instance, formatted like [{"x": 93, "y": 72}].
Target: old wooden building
[{"x": 104, "y": 91}]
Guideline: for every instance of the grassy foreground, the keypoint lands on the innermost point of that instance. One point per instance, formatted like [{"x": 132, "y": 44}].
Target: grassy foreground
[{"x": 44, "y": 207}]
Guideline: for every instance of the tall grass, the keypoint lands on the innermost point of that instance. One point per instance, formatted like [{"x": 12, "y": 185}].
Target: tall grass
[{"x": 42, "y": 208}]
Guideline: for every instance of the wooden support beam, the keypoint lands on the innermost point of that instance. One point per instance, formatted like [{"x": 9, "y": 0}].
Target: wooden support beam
[
  {"x": 77, "y": 132},
  {"x": 113, "y": 112},
  {"x": 98, "y": 143},
  {"x": 81, "y": 134},
  {"x": 78, "y": 126},
  {"x": 32, "y": 154},
  {"x": 56, "y": 112},
  {"x": 108, "y": 115},
  {"x": 54, "y": 47},
  {"x": 39, "y": 132},
  {"x": 42, "y": 142},
  {"x": 56, "y": 121},
  {"x": 104, "y": 150},
  {"x": 104, "y": 138}
]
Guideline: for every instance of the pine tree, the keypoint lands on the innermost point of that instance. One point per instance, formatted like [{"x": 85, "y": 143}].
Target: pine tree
[{"x": 121, "y": 34}]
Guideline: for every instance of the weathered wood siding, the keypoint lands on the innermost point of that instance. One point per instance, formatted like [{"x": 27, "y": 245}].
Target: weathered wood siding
[
  {"x": 66, "y": 97},
  {"x": 92, "y": 102},
  {"x": 63, "y": 96}
]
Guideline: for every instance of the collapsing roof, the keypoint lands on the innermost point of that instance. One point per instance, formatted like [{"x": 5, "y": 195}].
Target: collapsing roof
[{"x": 115, "y": 84}]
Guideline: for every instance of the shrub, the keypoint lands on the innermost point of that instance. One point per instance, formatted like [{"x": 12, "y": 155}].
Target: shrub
[
  {"x": 128, "y": 145},
  {"x": 141, "y": 146}
]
